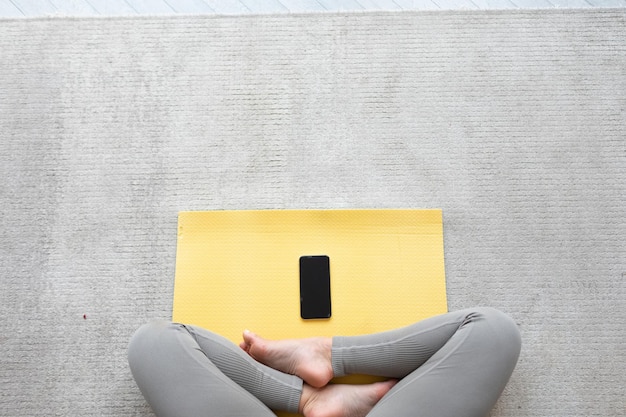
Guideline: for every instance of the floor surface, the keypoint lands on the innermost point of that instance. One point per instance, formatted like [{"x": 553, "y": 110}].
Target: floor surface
[{"x": 37, "y": 8}]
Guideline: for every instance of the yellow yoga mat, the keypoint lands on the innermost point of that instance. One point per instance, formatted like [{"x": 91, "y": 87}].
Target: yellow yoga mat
[{"x": 239, "y": 270}]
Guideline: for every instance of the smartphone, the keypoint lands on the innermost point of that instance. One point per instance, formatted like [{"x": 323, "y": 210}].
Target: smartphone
[{"x": 315, "y": 287}]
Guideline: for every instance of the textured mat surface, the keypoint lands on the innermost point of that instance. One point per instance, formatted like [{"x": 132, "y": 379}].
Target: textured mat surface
[
  {"x": 512, "y": 122},
  {"x": 240, "y": 269}
]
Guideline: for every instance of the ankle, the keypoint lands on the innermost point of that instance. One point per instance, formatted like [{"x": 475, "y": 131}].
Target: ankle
[{"x": 307, "y": 393}]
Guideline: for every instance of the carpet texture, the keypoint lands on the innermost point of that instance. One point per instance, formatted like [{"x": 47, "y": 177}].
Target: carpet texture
[{"x": 512, "y": 122}]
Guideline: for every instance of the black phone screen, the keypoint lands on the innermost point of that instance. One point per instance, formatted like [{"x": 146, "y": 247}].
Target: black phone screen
[{"x": 315, "y": 287}]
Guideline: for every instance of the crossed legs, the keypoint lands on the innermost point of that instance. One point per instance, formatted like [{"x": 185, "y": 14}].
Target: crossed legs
[{"x": 453, "y": 364}]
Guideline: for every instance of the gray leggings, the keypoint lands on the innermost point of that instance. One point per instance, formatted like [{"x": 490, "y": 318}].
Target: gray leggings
[{"x": 455, "y": 364}]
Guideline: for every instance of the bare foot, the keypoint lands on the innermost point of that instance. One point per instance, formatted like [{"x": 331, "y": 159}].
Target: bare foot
[
  {"x": 342, "y": 400},
  {"x": 310, "y": 359}
]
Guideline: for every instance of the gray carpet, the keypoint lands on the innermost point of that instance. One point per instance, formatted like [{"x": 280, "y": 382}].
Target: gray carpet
[{"x": 512, "y": 122}]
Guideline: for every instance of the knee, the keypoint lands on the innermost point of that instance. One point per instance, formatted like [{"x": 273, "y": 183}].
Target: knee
[
  {"x": 502, "y": 328},
  {"x": 144, "y": 339}
]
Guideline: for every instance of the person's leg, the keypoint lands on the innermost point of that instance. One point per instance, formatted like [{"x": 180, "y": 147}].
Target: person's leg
[
  {"x": 456, "y": 364},
  {"x": 281, "y": 391},
  {"x": 187, "y": 371}
]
